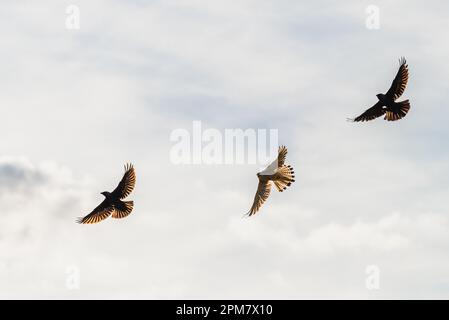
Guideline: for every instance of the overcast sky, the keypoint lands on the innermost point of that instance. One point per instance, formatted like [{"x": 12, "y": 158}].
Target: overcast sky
[{"x": 76, "y": 105}]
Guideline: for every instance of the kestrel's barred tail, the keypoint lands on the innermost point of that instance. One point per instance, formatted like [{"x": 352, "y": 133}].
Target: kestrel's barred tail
[
  {"x": 285, "y": 179},
  {"x": 402, "y": 108},
  {"x": 122, "y": 209}
]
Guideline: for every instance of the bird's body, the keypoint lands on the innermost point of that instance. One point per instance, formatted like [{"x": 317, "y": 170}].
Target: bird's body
[
  {"x": 387, "y": 104},
  {"x": 113, "y": 204},
  {"x": 281, "y": 175},
  {"x": 119, "y": 206},
  {"x": 384, "y": 99}
]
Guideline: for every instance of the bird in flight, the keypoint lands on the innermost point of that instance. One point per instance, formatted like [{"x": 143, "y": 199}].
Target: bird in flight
[
  {"x": 386, "y": 105},
  {"x": 113, "y": 204},
  {"x": 278, "y": 173}
]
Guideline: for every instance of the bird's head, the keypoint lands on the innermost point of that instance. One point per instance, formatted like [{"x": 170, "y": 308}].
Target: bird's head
[
  {"x": 105, "y": 193},
  {"x": 380, "y": 96}
]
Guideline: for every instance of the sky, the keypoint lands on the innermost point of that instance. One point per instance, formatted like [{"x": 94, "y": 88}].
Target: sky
[{"x": 77, "y": 104}]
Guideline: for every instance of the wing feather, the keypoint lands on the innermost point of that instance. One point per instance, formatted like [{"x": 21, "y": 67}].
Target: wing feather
[
  {"x": 101, "y": 212},
  {"x": 127, "y": 184},
  {"x": 282, "y": 155},
  {"x": 278, "y": 163},
  {"x": 400, "y": 81},
  {"x": 262, "y": 193},
  {"x": 372, "y": 113}
]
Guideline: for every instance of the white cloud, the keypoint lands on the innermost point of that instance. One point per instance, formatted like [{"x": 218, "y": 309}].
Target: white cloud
[{"x": 113, "y": 91}]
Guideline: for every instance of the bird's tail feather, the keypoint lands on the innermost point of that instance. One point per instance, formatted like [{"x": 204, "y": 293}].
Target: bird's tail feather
[
  {"x": 287, "y": 177},
  {"x": 122, "y": 209},
  {"x": 402, "y": 109}
]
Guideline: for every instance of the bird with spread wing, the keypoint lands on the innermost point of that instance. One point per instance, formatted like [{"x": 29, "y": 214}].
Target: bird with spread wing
[
  {"x": 386, "y": 105},
  {"x": 281, "y": 175},
  {"x": 113, "y": 204}
]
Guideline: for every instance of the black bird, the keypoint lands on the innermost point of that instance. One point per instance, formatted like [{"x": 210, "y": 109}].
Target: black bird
[
  {"x": 386, "y": 105},
  {"x": 113, "y": 203}
]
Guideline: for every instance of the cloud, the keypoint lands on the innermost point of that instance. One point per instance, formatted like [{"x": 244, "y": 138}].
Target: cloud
[
  {"x": 36, "y": 197},
  {"x": 78, "y": 105}
]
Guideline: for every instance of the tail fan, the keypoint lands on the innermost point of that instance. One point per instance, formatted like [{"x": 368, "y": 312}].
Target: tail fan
[
  {"x": 122, "y": 209},
  {"x": 401, "y": 109},
  {"x": 285, "y": 177}
]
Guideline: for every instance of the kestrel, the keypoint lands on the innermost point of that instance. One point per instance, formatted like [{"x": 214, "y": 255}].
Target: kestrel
[
  {"x": 113, "y": 204},
  {"x": 277, "y": 172},
  {"x": 386, "y": 105}
]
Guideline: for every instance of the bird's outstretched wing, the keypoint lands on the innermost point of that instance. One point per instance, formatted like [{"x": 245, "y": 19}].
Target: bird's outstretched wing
[
  {"x": 372, "y": 113},
  {"x": 278, "y": 163},
  {"x": 282, "y": 154},
  {"x": 100, "y": 213},
  {"x": 262, "y": 193},
  {"x": 400, "y": 81},
  {"x": 126, "y": 185}
]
